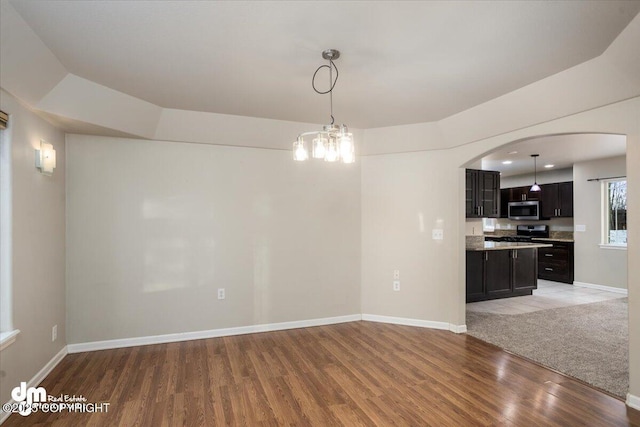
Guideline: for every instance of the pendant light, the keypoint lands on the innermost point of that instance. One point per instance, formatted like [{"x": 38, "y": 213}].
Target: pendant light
[
  {"x": 333, "y": 143},
  {"x": 535, "y": 187}
]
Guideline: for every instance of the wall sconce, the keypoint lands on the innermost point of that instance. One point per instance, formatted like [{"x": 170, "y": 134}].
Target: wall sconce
[{"x": 46, "y": 158}]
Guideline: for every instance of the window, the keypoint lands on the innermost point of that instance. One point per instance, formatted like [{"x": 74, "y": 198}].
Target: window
[{"x": 614, "y": 217}]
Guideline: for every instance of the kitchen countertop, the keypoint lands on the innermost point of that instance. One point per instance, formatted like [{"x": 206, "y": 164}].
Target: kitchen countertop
[{"x": 495, "y": 246}]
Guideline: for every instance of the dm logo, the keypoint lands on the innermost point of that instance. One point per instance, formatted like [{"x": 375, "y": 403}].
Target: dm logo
[{"x": 26, "y": 397}]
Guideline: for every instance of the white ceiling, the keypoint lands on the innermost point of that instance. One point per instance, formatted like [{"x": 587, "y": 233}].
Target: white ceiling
[
  {"x": 562, "y": 151},
  {"x": 402, "y": 62}
]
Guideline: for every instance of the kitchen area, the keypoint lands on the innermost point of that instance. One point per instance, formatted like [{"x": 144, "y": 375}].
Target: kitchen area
[
  {"x": 555, "y": 190},
  {"x": 507, "y": 261},
  {"x": 546, "y": 254}
]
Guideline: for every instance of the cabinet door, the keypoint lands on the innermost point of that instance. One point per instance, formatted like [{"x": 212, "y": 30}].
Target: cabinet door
[
  {"x": 475, "y": 275},
  {"x": 525, "y": 269},
  {"x": 565, "y": 199},
  {"x": 470, "y": 194},
  {"x": 505, "y": 198},
  {"x": 489, "y": 194},
  {"x": 518, "y": 194},
  {"x": 497, "y": 272},
  {"x": 549, "y": 200}
]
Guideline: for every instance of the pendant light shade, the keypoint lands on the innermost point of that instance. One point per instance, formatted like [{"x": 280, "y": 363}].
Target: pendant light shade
[
  {"x": 333, "y": 143},
  {"x": 300, "y": 152},
  {"x": 535, "y": 187}
]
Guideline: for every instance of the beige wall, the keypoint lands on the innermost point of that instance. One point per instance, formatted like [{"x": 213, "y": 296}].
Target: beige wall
[
  {"x": 593, "y": 264},
  {"x": 633, "y": 249},
  {"x": 154, "y": 228},
  {"x": 404, "y": 197},
  {"x": 38, "y": 249}
]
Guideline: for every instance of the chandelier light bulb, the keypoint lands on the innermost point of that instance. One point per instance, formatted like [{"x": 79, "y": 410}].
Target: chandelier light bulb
[
  {"x": 346, "y": 147},
  {"x": 319, "y": 147},
  {"x": 300, "y": 152},
  {"x": 332, "y": 151}
]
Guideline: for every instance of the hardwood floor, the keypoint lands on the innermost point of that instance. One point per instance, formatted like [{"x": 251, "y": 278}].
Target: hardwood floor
[{"x": 358, "y": 373}]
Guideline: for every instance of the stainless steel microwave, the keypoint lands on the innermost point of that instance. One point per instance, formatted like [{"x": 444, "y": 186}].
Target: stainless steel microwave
[{"x": 529, "y": 210}]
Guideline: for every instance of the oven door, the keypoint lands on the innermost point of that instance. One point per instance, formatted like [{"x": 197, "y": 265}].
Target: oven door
[{"x": 529, "y": 210}]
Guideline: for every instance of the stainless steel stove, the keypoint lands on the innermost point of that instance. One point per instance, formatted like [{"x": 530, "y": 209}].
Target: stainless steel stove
[{"x": 524, "y": 233}]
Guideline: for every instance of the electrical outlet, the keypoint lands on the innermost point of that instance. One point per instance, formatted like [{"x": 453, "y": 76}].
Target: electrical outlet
[
  {"x": 54, "y": 333},
  {"x": 396, "y": 285},
  {"x": 221, "y": 293},
  {"x": 396, "y": 274},
  {"x": 438, "y": 234}
]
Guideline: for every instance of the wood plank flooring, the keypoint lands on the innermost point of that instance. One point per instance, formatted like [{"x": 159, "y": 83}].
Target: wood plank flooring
[{"x": 351, "y": 374}]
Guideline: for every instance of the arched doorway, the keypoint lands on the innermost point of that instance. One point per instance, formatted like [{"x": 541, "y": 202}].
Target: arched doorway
[
  {"x": 620, "y": 118},
  {"x": 565, "y": 324}
]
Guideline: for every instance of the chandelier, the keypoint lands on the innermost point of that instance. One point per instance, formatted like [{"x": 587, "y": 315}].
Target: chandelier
[{"x": 333, "y": 143}]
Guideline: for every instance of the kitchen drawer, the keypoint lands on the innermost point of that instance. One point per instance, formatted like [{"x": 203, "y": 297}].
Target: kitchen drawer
[
  {"x": 553, "y": 254},
  {"x": 554, "y": 269},
  {"x": 556, "y": 263}
]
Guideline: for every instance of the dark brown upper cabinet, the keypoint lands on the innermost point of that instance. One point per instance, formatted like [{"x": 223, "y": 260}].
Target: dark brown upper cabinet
[
  {"x": 515, "y": 194},
  {"x": 482, "y": 194},
  {"x": 557, "y": 200}
]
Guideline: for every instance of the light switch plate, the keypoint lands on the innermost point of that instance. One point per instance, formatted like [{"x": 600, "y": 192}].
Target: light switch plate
[{"x": 581, "y": 228}]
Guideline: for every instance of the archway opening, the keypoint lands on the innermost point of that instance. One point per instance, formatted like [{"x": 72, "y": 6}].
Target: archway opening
[{"x": 565, "y": 322}]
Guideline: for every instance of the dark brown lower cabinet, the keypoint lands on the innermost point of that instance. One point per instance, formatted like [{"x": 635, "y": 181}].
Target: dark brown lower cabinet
[
  {"x": 496, "y": 273},
  {"x": 475, "y": 275},
  {"x": 501, "y": 273},
  {"x": 525, "y": 269},
  {"x": 556, "y": 263}
]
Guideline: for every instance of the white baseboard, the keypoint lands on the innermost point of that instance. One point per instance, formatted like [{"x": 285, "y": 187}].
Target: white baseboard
[
  {"x": 601, "y": 287},
  {"x": 633, "y": 401},
  {"x": 37, "y": 378},
  {"x": 458, "y": 329},
  {"x": 212, "y": 333}
]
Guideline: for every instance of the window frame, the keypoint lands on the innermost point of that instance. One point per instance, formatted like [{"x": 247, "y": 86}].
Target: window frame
[{"x": 605, "y": 209}]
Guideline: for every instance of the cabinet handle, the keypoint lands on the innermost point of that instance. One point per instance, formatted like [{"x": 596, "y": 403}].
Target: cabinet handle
[
  {"x": 548, "y": 254},
  {"x": 486, "y": 256},
  {"x": 548, "y": 269},
  {"x": 559, "y": 211},
  {"x": 515, "y": 254}
]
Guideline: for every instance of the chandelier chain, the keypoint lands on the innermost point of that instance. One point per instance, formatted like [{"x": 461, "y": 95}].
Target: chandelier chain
[{"x": 332, "y": 83}]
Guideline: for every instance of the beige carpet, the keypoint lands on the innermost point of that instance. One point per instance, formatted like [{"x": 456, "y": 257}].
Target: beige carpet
[{"x": 589, "y": 341}]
